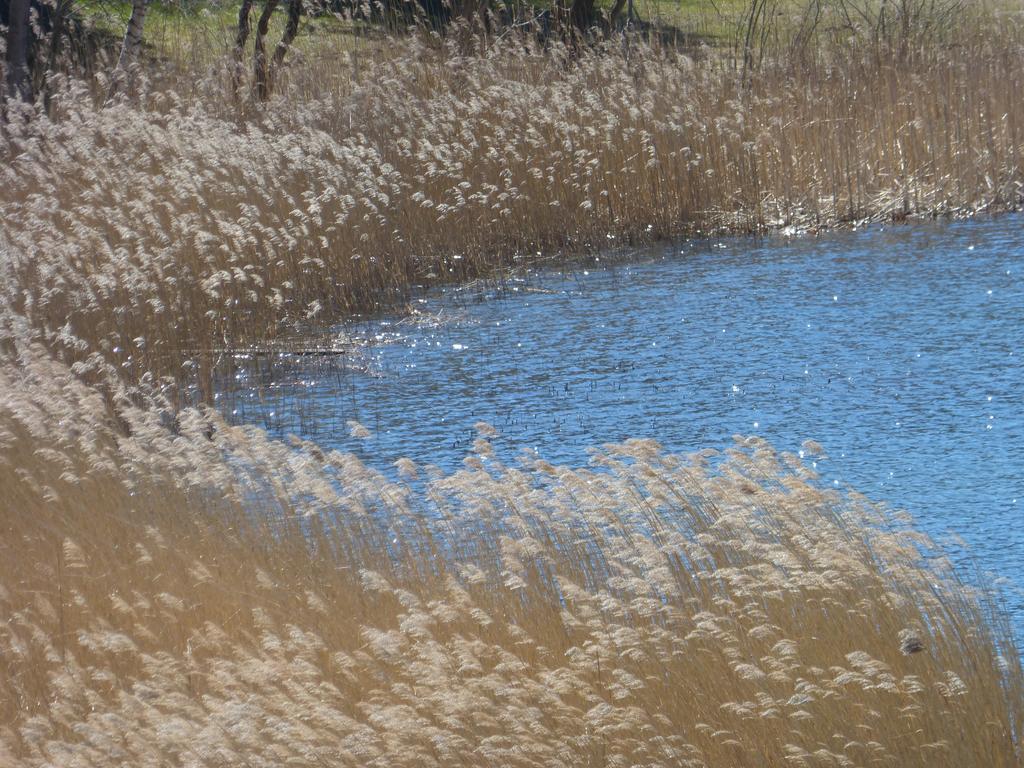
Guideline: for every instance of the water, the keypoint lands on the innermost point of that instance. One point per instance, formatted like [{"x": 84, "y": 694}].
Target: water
[{"x": 900, "y": 350}]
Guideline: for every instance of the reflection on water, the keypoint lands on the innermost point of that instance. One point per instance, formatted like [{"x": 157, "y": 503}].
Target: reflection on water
[{"x": 898, "y": 349}]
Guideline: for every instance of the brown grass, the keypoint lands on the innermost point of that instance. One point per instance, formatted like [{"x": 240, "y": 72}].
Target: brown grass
[
  {"x": 175, "y": 591},
  {"x": 212, "y": 598},
  {"x": 155, "y": 229}
]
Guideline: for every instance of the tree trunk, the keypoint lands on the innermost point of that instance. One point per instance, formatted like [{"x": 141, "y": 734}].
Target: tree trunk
[
  {"x": 261, "y": 67},
  {"x": 264, "y": 71},
  {"x": 613, "y": 17},
  {"x": 61, "y": 11},
  {"x": 294, "y": 12},
  {"x": 244, "y": 13},
  {"x": 19, "y": 79},
  {"x": 130, "y": 46},
  {"x": 583, "y": 14}
]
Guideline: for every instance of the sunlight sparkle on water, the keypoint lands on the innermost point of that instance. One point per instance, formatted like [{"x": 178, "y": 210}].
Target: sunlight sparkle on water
[{"x": 898, "y": 367}]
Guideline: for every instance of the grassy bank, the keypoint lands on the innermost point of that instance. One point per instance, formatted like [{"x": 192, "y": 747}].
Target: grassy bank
[
  {"x": 147, "y": 231},
  {"x": 210, "y": 597}
]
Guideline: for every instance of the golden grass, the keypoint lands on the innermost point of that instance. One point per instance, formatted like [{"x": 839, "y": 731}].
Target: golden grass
[
  {"x": 152, "y": 230},
  {"x": 208, "y": 597},
  {"x": 177, "y": 591}
]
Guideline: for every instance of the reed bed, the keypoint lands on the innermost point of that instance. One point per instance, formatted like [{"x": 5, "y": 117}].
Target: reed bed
[
  {"x": 156, "y": 229},
  {"x": 204, "y": 596},
  {"x": 178, "y": 591}
]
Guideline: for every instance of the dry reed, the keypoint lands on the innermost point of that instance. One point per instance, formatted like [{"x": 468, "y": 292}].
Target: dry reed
[
  {"x": 204, "y": 596},
  {"x": 175, "y": 590},
  {"x": 155, "y": 229}
]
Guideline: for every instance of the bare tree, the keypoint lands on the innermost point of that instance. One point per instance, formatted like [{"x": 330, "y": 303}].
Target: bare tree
[
  {"x": 887, "y": 27},
  {"x": 241, "y": 38},
  {"x": 758, "y": 21},
  {"x": 130, "y": 46},
  {"x": 584, "y": 14},
  {"x": 19, "y": 78},
  {"x": 265, "y": 68}
]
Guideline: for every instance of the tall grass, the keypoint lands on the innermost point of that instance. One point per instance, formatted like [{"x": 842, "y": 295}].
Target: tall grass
[
  {"x": 174, "y": 590},
  {"x": 208, "y": 597},
  {"x": 156, "y": 229}
]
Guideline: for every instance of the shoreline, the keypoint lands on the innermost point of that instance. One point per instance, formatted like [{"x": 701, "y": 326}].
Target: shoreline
[{"x": 181, "y": 591}]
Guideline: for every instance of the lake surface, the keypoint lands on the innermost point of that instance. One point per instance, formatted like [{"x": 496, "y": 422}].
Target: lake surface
[{"x": 899, "y": 349}]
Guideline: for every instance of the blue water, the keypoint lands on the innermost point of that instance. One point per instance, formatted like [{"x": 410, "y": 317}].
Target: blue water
[{"x": 900, "y": 350}]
